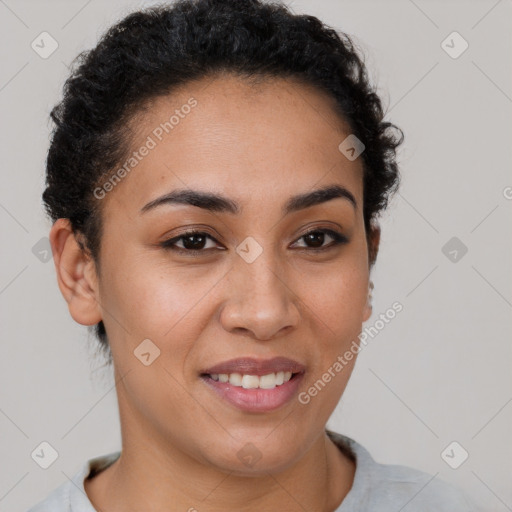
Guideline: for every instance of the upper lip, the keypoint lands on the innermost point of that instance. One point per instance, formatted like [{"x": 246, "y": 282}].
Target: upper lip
[{"x": 253, "y": 366}]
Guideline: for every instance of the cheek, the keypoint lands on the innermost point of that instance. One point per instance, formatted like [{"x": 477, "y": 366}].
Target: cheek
[
  {"x": 336, "y": 298},
  {"x": 153, "y": 299},
  {"x": 169, "y": 306}
]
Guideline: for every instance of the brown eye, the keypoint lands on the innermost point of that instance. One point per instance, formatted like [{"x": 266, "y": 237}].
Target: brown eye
[
  {"x": 315, "y": 239},
  {"x": 195, "y": 242},
  {"x": 192, "y": 241}
]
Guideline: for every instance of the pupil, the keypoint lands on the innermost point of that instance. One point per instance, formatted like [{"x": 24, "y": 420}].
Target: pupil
[
  {"x": 316, "y": 237},
  {"x": 194, "y": 246}
]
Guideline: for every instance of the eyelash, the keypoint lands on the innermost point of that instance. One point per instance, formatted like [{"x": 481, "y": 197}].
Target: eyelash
[{"x": 338, "y": 238}]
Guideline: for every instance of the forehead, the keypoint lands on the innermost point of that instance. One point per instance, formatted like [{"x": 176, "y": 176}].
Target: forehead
[{"x": 250, "y": 141}]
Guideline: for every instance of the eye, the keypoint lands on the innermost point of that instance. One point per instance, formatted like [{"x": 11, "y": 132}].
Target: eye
[
  {"x": 192, "y": 242},
  {"x": 316, "y": 237}
]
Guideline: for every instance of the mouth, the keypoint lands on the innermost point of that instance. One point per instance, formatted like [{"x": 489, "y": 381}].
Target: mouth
[
  {"x": 255, "y": 385},
  {"x": 247, "y": 381}
]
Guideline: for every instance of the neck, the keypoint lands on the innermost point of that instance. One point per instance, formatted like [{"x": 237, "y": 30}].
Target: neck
[{"x": 169, "y": 479}]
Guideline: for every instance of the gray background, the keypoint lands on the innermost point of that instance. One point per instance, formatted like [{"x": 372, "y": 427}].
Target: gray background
[{"x": 439, "y": 372}]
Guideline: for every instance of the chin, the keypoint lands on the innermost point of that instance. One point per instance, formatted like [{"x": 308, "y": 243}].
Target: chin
[{"x": 257, "y": 457}]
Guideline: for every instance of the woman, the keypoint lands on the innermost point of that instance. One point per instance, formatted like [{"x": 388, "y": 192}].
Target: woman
[{"x": 215, "y": 178}]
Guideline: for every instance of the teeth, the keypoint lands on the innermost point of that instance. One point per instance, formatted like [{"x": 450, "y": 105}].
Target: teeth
[
  {"x": 235, "y": 379},
  {"x": 250, "y": 381},
  {"x": 246, "y": 381},
  {"x": 268, "y": 381}
]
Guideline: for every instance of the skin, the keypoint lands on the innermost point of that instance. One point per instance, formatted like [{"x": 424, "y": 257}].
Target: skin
[{"x": 258, "y": 145}]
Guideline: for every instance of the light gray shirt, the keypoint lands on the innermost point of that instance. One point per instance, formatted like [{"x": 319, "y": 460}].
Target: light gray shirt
[{"x": 376, "y": 487}]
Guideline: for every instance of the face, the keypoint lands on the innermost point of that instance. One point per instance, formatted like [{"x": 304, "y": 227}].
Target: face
[{"x": 264, "y": 277}]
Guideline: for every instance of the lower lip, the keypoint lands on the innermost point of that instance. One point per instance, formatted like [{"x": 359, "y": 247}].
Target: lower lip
[{"x": 256, "y": 400}]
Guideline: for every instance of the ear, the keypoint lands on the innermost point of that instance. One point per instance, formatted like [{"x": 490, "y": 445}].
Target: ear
[
  {"x": 373, "y": 249},
  {"x": 76, "y": 274},
  {"x": 373, "y": 244}
]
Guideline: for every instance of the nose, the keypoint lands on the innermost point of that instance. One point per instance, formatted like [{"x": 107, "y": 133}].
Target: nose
[{"x": 261, "y": 301}]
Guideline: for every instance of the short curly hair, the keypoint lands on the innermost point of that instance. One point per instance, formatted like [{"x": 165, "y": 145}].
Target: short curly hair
[{"x": 152, "y": 51}]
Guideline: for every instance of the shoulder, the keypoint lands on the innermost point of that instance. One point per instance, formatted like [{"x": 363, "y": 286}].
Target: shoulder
[
  {"x": 70, "y": 496},
  {"x": 403, "y": 485},
  {"x": 56, "y": 501},
  {"x": 391, "y": 487}
]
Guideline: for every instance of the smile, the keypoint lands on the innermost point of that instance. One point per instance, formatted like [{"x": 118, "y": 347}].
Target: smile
[
  {"x": 255, "y": 385},
  {"x": 246, "y": 381}
]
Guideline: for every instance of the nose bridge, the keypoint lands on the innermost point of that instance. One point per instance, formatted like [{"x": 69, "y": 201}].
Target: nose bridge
[
  {"x": 258, "y": 271},
  {"x": 263, "y": 277},
  {"x": 258, "y": 298}
]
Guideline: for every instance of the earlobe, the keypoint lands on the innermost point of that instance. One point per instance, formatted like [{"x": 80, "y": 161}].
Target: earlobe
[
  {"x": 75, "y": 274},
  {"x": 368, "y": 308},
  {"x": 367, "y": 313}
]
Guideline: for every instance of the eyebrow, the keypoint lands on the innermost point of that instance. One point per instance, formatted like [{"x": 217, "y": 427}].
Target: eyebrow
[{"x": 219, "y": 203}]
